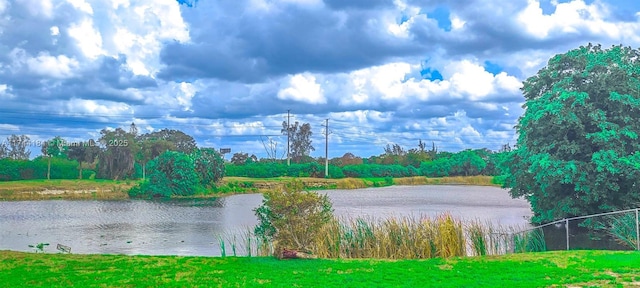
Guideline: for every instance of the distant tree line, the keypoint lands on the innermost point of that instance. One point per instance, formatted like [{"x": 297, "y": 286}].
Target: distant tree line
[
  {"x": 118, "y": 154},
  {"x": 394, "y": 162},
  {"x": 171, "y": 163}
]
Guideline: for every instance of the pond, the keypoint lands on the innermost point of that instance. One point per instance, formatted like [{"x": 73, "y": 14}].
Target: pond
[{"x": 193, "y": 227}]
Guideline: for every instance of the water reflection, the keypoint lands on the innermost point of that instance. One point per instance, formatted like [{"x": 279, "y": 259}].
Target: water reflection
[{"x": 192, "y": 227}]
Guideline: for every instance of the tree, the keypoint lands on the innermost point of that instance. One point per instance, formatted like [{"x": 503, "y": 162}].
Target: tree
[
  {"x": 300, "y": 140},
  {"x": 171, "y": 173},
  {"x": 151, "y": 148},
  {"x": 415, "y": 157},
  {"x": 394, "y": 150},
  {"x": 467, "y": 163},
  {"x": 208, "y": 165},
  {"x": 292, "y": 218},
  {"x": 577, "y": 149},
  {"x": 18, "y": 147},
  {"x": 239, "y": 158},
  {"x": 117, "y": 156},
  {"x": 53, "y": 148},
  {"x": 182, "y": 142},
  {"x": 346, "y": 159},
  {"x": 83, "y": 152},
  {"x": 4, "y": 153}
]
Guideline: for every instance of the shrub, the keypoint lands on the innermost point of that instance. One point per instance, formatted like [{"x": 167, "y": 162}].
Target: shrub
[
  {"x": 208, "y": 165},
  {"x": 291, "y": 218},
  {"x": 171, "y": 173}
]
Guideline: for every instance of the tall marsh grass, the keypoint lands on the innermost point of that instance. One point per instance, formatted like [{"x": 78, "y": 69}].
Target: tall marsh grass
[
  {"x": 350, "y": 183},
  {"x": 412, "y": 238},
  {"x": 401, "y": 238}
]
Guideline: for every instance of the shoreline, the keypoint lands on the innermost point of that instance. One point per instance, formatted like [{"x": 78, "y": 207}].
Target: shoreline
[{"x": 89, "y": 189}]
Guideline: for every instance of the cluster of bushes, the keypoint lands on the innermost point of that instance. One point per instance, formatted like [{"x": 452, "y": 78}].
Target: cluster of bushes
[
  {"x": 175, "y": 173},
  {"x": 275, "y": 169},
  {"x": 11, "y": 170},
  {"x": 379, "y": 170}
]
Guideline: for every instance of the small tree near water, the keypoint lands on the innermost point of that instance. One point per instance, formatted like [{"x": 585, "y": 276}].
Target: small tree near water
[
  {"x": 172, "y": 173},
  {"x": 292, "y": 218}
]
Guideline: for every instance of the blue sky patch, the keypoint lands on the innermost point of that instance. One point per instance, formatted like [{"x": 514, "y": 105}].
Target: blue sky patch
[
  {"x": 441, "y": 14},
  {"x": 188, "y": 3},
  {"x": 430, "y": 74},
  {"x": 492, "y": 68}
]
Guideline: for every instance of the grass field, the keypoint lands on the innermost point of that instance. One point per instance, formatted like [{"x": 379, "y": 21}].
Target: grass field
[{"x": 546, "y": 269}]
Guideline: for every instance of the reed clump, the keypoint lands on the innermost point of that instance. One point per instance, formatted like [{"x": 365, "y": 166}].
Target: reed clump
[
  {"x": 392, "y": 238},
  {"x": 400, "y": 238},
  {"x": 416, "y": 180}
]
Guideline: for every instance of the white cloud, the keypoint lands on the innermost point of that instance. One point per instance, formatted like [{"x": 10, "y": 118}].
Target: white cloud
[
  {"x": 9, "y": 127},
  {"x": 240, "y": 128},
  {"x": 4, "y": 92},
  {"x": 362, "y": 116},
  {"x": 41, "y": 8},
  {"x": 96, "y": 108},
  {"x": 118, "y": 3},
  {"x": 185, "y": 94},
  {"x": 55, "y": 31},
  {"x": 59, "y": 66},
  {"x": 141, "y": 28},
  {"x": 302, "y": 2},
  {"x": 570, "y": 17},
  {"x": 88, "y": 39},
  {"x": 82, "y": 6},
  {"x": 3, "y": 6},
  {"x": 303, "y": 88},
  {"x": 456, "y": 22},
  {"x": 469, "y": 78},
  {"x": 170, "y": 96},
  {"x": 397, "y": 82}
]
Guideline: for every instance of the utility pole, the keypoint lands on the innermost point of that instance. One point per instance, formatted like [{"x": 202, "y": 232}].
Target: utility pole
[
  {"x": 288, "y": 136},
  {"x": 326, "y": 149}
]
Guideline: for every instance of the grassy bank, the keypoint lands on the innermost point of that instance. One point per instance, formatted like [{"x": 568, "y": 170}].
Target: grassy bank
[
  {"x": 111, "y": 190},
  {"x": 65, "y": 189},
  {"x": 248, "y": 185},
  {"x": 559, "y": 269}
]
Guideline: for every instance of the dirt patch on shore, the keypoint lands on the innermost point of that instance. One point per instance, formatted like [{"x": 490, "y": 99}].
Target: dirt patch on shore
[{"x": 58, "y": 192}]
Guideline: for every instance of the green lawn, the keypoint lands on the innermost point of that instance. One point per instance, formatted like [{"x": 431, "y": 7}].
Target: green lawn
[{"x": 577, "y": 268}]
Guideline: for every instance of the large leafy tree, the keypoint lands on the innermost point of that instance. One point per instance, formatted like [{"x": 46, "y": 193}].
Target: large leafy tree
[
  {"x": 300, "y": 140},
  {"x": 118, "y": 150},
  {"x": 181, "y": 142},
  {"x": 577, "y": 151},
  {"x": 243, "y": 158},
  {"x": 208, "y": 165},
  {"x": 171, "y": 173},
  {"x": 150, "y": 148}
]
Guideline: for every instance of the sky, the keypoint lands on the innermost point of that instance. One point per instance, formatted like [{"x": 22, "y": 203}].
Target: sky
[{"x": 226, "y": 72}]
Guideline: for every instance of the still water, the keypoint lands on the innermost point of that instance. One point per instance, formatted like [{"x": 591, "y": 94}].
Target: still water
[{"x": 192, "y": 227}]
